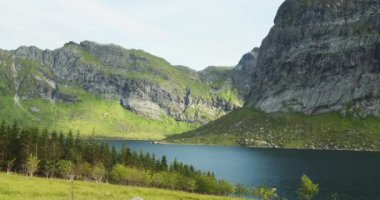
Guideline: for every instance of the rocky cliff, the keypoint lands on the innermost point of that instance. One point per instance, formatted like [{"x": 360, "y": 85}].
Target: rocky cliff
[
  {"x": 320, "y": 56},
  {"x": 242, "y": 73},
  {"x": 139, "y": 82}
]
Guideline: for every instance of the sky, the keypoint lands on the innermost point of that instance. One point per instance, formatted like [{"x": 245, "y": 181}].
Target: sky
[{"x": 193, "y": 33}]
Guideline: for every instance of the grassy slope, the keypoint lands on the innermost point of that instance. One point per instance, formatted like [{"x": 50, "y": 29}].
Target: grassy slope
[
  {"x": 92, "y": 115},
  {"x": 290, "y": 130},
  {"x": 19, "y": 188},
  {"x": 219, "y": 75}
]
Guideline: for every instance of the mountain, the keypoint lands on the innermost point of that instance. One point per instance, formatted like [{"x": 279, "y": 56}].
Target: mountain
[
  {"x": 108, "y": 90},
  {"x": 313, "y": 83},
  {"x": 320, "y": 56}
]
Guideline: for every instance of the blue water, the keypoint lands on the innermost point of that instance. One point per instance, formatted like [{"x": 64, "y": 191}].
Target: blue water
[{"x": 353, "y": 175}]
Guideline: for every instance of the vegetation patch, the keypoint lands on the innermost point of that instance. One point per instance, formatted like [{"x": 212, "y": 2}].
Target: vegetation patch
[
  {"x": 91, "y": 116},
  {"x": 249, "y": 127},
  {"x": 14, "y": 187}
]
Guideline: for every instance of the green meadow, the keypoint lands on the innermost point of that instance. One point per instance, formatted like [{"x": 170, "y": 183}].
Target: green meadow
[{"x": 15, "y": 187}]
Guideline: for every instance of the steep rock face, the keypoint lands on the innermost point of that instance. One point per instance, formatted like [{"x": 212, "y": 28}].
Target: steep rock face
[
  {"x": 320, "y": 56},
  {"x": 242, "y": 73},
  {"x": 141, "y": 82}
]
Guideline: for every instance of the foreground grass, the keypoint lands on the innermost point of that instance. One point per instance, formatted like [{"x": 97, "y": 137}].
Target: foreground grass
[
  {"x": 249, "y": 127},
  {"x": 14, "y": 187}
]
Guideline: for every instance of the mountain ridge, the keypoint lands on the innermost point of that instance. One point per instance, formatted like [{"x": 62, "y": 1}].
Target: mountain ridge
[{"x": 139, "y": 82}]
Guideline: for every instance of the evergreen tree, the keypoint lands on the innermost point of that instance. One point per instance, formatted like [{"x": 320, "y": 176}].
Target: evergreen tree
[
  {"x": 49, "y": 153},
  {"x": 3, "y": 138},
  {"x": 114, "y": 157},
  {"x": 68, "y": 147},
  {"x": 54, "y": 147},
  {"x": 13, "y": 145},
  {"x": 123, "y": 155},
  {"x": 43, "y": 145},
  {"x": 61, "y": 146},
  {"x": 163, "y": 164}
]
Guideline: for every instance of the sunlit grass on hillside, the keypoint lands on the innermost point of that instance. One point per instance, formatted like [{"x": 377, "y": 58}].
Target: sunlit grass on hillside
[
  {"x": 91, "y": 116},
  {"x": 14, "y": 187},
  {"x": 288, "y": 130}
]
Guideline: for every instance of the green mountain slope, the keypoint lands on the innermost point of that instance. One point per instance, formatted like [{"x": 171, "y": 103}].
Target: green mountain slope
[
  {"x": 249, "y": 127},
  {"x": 92, "y": 116},
  {"x": 107, "y": 90}
]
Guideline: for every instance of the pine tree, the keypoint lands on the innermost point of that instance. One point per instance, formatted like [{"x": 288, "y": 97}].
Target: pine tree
[
  {"x": 3, "y": 142},
  {"x": 13, "y": 140},
  {"x": 123, "y": 155},
  {"x": 114, "y": 157},
  {"x": 43, "y": 145},
  {"x": 52, "y": 154},
  {"x": 61, "y": 146},
  {"x": 164, "y": 164}
]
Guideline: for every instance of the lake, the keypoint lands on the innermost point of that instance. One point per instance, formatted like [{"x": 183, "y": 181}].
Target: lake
[{"x": 353, "y": 175}]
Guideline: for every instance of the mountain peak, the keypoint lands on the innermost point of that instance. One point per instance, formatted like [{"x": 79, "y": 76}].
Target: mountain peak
[{"x": 320, "y": 56}]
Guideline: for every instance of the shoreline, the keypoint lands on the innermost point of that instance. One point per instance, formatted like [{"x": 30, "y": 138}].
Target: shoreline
[
  {"x": 163, "y": 142},
  {"x": 274, "y": 148}
]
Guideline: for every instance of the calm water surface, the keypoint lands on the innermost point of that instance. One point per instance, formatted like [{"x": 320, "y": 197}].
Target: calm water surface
[{"x": 353, "y": 175}]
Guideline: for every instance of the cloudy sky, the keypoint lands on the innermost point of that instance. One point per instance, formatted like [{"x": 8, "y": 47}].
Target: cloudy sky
[{"x": 195, "y": 33}]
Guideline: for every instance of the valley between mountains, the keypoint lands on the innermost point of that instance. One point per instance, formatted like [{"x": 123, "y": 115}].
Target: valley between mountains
[{"x": 313, "y": 83}]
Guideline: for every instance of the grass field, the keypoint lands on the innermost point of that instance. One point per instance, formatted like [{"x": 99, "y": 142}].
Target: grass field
[{"x": 14, "y": 187}]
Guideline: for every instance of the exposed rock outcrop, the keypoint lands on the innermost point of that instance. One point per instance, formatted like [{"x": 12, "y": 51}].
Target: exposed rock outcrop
[
  {"x": 142, "y": 83},
  {"x": 320, "y": 56},
  {"x": 242, "y": 73}
]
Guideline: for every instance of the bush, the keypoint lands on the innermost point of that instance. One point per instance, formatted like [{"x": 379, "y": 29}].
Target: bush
[
  {"x": 264, "y": 193},
  {"x": 32, "y": 164},
  {"x": 240, "y": 190},
  {"x": 98, "y": 172},
  {"x": 66, "y": 169},
  {"x": 84, "y": 171},
  {"x": 307, "y": 189}
]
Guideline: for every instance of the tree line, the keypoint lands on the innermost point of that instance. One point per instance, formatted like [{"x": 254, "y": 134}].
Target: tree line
[
  {"x": 47, "y": 154},
  {"x": 51, "y": 154}
]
